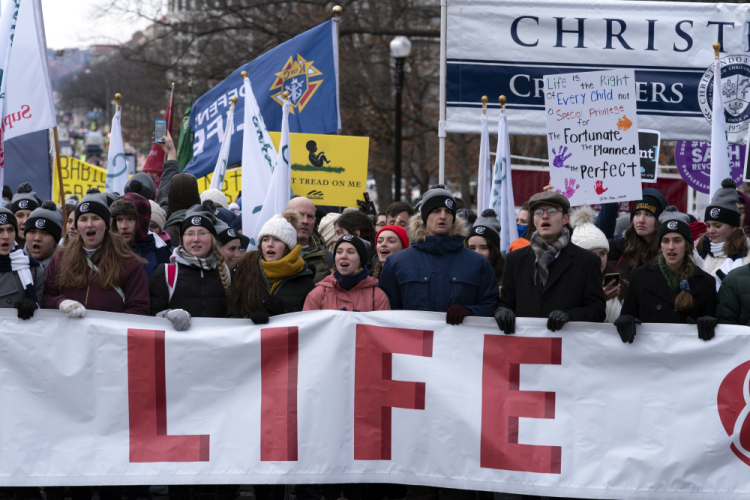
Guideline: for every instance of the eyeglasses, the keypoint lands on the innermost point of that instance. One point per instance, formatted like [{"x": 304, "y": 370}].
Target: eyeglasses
[
  {"x": 552, "y": 211},
  {"x": 199, "y": 234}
]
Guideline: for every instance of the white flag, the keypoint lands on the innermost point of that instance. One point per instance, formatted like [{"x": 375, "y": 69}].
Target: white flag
[
  {"x": 484, "y": 177},
  {"x": 26, "y": 103},
  {"x": 220, "y": 170},
  {"x": 117, "y": 167},
  {"x": 280, "y": 189},
  {"x": 502, "y": 187},
  {"x": 258, "y": 160},
  {"x": 720, "y": 165}
]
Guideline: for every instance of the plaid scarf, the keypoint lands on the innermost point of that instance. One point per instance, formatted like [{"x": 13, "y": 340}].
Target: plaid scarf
[
  {"x": 545, "y": 252},
  {"x": 21, "y": 263},
  {"x": 181, "y": 256}
]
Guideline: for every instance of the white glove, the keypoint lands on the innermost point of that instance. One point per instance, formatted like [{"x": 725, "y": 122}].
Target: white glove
[
  {"x": 180, "y": 318},
  {"x": 73, "y": 308}
]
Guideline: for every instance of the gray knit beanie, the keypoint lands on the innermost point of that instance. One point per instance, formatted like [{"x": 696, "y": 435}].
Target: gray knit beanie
[
  {"x": 487, "y": 226},
  {"x": 673, "y": 221},
  {"x": 47, "y": 218},
  {"x": 437, "y": 196},
  {"x": 199, "y": 215},
  {"x": 24, "y": 199},
  {"x": 723, "y": 206},
  {"x": 143, "y": 184}
]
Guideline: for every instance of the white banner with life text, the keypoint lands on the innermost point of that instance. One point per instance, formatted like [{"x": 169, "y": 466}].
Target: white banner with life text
[{"x": 402, "y": 397}]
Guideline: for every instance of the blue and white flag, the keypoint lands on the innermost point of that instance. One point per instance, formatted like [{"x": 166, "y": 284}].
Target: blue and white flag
[
  {"x": 720, "y": 164},
  {"x": 220, "y": 170},
  {"x": 484, "y": 176},
  {"x": 502, "y": 187},
  {"x": 258, "y": 161},
  {"x": 117, "y": 166},
  {"x": 280, "y": 189},
  {"x": 306, "y": 66}
]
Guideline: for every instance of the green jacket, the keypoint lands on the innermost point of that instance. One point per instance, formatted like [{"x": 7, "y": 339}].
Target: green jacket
[
  {"x": 733, "y": 303},
  {"x": 315, "y": 256}
]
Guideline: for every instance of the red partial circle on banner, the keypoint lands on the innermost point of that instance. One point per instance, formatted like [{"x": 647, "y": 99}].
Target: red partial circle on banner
[{"x": 731, "y": 402}]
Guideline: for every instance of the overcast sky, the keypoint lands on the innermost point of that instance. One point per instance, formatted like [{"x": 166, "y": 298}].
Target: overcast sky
[{"x": 74, "y": 24}]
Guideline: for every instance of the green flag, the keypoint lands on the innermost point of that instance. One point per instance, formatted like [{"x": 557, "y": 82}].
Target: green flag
[{"x": 185, "y": 144}]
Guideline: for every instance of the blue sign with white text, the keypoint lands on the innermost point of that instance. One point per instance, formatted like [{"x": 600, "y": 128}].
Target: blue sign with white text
[{"x": 305, "y": 66}]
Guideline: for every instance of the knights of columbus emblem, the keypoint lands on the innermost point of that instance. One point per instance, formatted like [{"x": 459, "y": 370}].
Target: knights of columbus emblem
[{"x": 295, "y": 79}]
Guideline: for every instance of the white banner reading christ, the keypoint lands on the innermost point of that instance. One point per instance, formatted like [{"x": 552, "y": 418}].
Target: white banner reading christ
[{"x": 332, "y": 396}]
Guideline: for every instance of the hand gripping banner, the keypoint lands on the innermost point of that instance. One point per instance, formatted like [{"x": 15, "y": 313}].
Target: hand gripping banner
[{"x": 401, "y": 397}]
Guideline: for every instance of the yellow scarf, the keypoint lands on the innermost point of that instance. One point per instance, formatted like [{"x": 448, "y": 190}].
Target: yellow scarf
[{"x": 287, "y": 266}]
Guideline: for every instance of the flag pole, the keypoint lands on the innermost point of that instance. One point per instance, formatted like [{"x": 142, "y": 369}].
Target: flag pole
[
  {"x": 59, "y": 174},
  {"x": 117, "y": 100},
  {"x": 484, "y": 104},
  {"x": 502, "y": 104},
  {"x": 337, "y": 10}
]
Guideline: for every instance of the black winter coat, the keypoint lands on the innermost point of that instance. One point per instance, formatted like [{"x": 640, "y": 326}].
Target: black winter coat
[
  {"x": 574, "y": 285},
  {"x": 292, "y": 290},
  {"x": 650, "y": 299},
  {"x": 197, "y": 291}
]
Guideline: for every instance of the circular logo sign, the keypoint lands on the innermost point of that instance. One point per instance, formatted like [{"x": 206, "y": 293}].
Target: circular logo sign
[
  {"x": 715, "y": 212},
  {"x": 348, "y": 237},
  {"x": 39, "y": 223},
  {"x": 196, "y": 221},
  {"x": 735, "y": 89},
  {"x": 23, "y": 204},
  {"x": 84, "y": 207},
  {"x": 479, "y": 230},
  {"x": 3, "y": 219},
  {"x": 672, "y": 225},
  {"x": 232, "y": 233},
  {"x": 733, "y": 399},
  {"x": 449, "y": 203}
]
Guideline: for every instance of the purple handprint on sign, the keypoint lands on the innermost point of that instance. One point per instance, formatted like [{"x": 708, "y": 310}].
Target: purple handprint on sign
[
  {"x": 560, "y": 157},
  {"x": 570, "y": 188}
]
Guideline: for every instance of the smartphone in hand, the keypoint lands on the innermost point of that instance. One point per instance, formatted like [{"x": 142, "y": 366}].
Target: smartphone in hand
[{"x": 160, "y": 130}]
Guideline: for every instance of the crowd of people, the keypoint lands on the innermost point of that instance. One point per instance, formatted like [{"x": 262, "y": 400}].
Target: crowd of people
[{"x": 179, "y": 254}]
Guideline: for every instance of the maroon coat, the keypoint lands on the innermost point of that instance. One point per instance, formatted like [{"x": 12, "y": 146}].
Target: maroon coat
[{"x": 133, "y": 283}]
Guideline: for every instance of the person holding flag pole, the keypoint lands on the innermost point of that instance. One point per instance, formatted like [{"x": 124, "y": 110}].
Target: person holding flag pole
[
  {"x": 280, "y": 188},
  {"x": 220, "y": 170},
  {"x": 484, "y": 177},
  {"x": 720, "y": 165},
  {"x": 501, "y": 198},
  {"x": 117, "y": 172}
]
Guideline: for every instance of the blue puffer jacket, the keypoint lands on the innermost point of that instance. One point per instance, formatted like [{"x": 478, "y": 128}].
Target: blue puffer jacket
[
  {"x": 437, "y": 272},
  {"x": 153, "y": 253}
]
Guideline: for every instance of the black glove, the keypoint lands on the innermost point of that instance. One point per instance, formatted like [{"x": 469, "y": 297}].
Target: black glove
[
  {"x": 259, "y": 317},
  {"x": 557, "y": 319},
  {"x": 26, "y": 308},
  {"x": 506, "y": 320},
  {"x": 274, "y": 305},
  {"x": 706, "y": 326},
  {"x": 455, "y": 314},
  {"x": 368, "y": 208},
  {"x": 626, "y": 327}
]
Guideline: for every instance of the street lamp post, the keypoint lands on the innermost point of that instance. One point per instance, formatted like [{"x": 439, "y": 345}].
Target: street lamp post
[{"x": 400, "y": 50}]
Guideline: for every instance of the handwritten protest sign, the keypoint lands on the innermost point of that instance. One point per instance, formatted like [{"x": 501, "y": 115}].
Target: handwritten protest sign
[{"x": 592, "y": 136}]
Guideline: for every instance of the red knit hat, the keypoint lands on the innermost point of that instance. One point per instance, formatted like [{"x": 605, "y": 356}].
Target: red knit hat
[{"x": 400, "y": 232}]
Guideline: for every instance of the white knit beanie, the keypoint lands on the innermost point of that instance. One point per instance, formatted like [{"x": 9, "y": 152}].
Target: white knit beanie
[
  {"x": 219, "y": 198},
  {"x": 585, "y": 234},
  {"x": 282, "y": 227},
  {"x": 158, "y": 215},
  {"x": 327, "y": 228}
]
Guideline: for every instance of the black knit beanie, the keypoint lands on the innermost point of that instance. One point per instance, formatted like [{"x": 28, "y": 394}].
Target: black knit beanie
[{"x": 358, "y": 243}]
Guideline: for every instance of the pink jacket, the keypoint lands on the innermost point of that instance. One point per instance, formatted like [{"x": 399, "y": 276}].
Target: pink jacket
[{"x": 364, "y": 297}]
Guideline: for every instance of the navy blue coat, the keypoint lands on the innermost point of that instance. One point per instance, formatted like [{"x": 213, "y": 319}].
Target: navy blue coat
[
  {"x": 438, "y": 272},
  {"x": 147, "y": 249}
]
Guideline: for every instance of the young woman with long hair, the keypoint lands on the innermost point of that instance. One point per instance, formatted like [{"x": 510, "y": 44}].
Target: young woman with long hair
[
  {"x": 723, "y": 246},
  {"x": 484, "y": 238},
  {"x": 357, "y": 223},
  {"x": 70, "y": 228},
  {"x": 350, "y": 286},
  {"x": 274, "y": 279},
  {"x": 196, "y": 281},
  {"x": 389, "y": 241},
  {"x": 673, "y": 289},
  {"x": 97, "y": 270}
]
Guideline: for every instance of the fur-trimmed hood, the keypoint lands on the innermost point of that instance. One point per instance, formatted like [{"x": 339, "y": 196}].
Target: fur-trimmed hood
[{"x": 418, "y": 230}]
